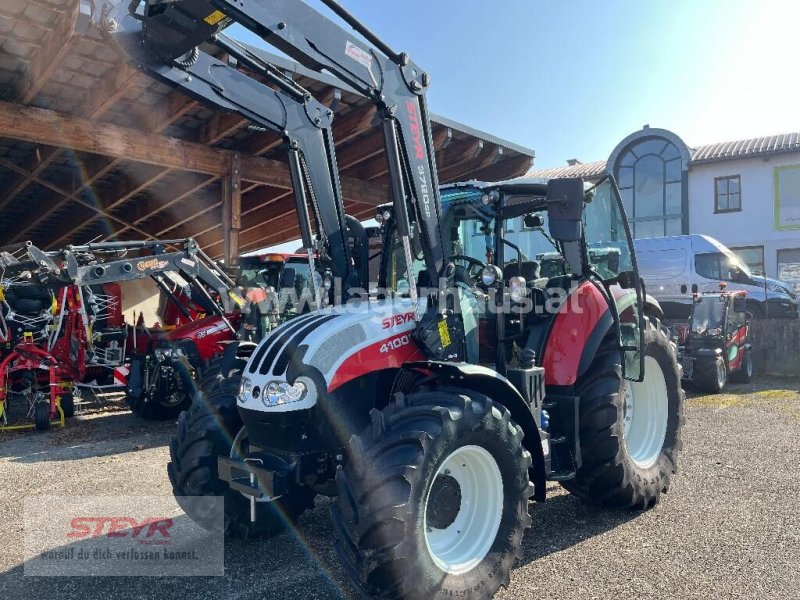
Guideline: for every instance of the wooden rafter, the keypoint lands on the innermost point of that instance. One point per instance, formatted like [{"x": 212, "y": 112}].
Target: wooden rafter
[
  {"x": 48, "y": 56},
  {"x": 58, "y": 190}
]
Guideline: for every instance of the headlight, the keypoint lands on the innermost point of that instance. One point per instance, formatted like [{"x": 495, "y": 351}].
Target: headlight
[
  {"x": 517, "y": 288},
  {"x": 382, "y": 215},
  {"x": 245, "y": 389},
  {"x": 278, "y": 393},
  {"x": 164, "y": 353}
]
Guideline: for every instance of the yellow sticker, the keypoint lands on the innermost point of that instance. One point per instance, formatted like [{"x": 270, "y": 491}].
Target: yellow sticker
[
  {"x": 214, "y": 17},
  {"x": 240, "y": 302},
  {"x": 444, "y": 334}
]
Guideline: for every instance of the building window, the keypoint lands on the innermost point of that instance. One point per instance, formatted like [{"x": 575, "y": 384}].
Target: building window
[
  {"x": 727, "y": 194},
  {"x": 752, "y": 256},
  {"x": 789, "y": 267},
  {"x": 650, "y": 174},
  {"x": 787, "y": 197}
]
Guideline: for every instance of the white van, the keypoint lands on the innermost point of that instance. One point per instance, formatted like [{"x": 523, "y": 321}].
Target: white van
[{"x": 674, "y": 267}]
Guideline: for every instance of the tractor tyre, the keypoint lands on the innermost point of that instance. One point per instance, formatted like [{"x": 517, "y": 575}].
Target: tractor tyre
[
  {"x": 41, "y": 415},
  {"x": 630, "y": 433},
  {"x": 161, "y": 408},
  {"x": 205, "y": 432},
  {"x": 433, "y": 498},
  {"x": 745, "y": 372},
  {"x": 68, "y": 405},
  {"x": 710, "y": 375}
]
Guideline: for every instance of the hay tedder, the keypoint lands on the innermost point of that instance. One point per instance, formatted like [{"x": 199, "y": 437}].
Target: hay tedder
[{"x": 61, "y": 319}]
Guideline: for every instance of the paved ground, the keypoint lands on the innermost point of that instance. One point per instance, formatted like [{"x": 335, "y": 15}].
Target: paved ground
[{"x": 729, "y": 528}]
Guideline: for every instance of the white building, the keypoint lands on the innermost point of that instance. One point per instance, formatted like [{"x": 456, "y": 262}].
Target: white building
[{"x": 745, "y": 193}]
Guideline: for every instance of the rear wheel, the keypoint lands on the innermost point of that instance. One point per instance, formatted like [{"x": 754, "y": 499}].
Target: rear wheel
[
  {"x": 433, "y": 498},
  {"x": 629, "y": 431},
  {"x": 68, "y": 405},
  {"x": 710, "y": 375},
  {"x": 209, "y": 429},
  {"x": 745, "y": 372}
]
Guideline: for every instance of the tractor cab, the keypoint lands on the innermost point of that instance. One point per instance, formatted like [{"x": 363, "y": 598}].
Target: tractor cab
[
  {"x": 277, "y": 286},
  {"x": 716, "y": 347},
  {"x": 525, "y": 253}
]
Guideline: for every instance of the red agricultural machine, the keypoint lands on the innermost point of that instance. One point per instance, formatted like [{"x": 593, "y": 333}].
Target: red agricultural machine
[
  {"x": 167, "y": 366},
  {"x": 438, "y": 406},
  {"x": 715, "y": 346},
  {"x": 61, "y": 319}
]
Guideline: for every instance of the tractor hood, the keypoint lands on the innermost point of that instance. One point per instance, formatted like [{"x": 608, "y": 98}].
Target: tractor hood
[{"x": 318, "y": 352}]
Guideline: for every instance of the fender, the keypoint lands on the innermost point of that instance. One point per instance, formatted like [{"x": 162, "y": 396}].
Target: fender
[
  {"x": 234, "y": 353},
  {"x": 580, "y": 325},
  {"x": 490, "y": 383}
]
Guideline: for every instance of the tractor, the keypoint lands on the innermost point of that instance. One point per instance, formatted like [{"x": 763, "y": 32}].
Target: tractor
[
  {"x": 435, "y": 407},
  {"x": 716, "y": 347}
]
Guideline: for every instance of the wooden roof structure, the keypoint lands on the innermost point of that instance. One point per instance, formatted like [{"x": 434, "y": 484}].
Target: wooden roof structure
[{"x": 92, "y": 149}]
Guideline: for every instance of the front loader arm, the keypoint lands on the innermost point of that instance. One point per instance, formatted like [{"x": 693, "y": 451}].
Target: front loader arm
[
  {"x": 154, "y": 40},
  {"x": 393, "y": 82}
]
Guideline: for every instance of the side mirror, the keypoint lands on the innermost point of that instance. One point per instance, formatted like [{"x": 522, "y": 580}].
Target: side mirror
[
  {"x": 565, "y": 208},
  {"x": 626, "y": 280},
  {"x": 287, "y": 277},
  {"x": 739, "y": 304},
  {"x": 532, "y": 221}
]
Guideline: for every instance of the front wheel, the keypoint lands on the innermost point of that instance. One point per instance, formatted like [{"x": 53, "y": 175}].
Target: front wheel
[
  {"x": 209, "y": 429},
  {"x": 433, "y": 498},
  {"x": 629, "y": 431},
  {"x": 710, "y": 375}
]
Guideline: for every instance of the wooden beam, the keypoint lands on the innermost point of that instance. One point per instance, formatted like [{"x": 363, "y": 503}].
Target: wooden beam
[
  {"x": 113, "y": 88},
  {"x": 99, "y": 167},
  {"x": 51, "y": 186},
  {"x": 47, "y": 127},
  {"x": 219, "y": 127},
  {"x": 56, "y": 45},
  {"x": 232, "y": 211},
  {"x": 279, "y": 234}
]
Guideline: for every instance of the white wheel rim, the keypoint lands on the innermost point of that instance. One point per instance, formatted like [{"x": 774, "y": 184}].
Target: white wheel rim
[
  {"x": 721, "y": 374},
  {"x": 645, "y": 415},
  {"x": 462, "y": 545}
]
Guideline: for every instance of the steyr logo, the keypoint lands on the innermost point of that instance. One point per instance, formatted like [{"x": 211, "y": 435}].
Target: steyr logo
[
  {"x": 396, "y": 320},
  {"x": 144, "y": 531},
  {"x": 416, "y": 130}
]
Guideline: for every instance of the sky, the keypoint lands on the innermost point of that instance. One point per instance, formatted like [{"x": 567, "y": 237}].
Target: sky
[{"x": 570, "y": 79}]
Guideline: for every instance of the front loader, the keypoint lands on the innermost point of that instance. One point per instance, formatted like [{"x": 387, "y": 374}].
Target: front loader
[{"x": 437, "y": 408}]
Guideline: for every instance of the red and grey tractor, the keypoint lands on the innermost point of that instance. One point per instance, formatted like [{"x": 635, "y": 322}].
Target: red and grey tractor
[
  {"x": 557, "y": 378},
  {"x": 435, "y": 408},
  {"x": 716, "y": 348}
]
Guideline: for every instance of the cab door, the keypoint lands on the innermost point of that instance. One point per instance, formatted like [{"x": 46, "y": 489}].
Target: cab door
[{"x": 611, "y": 257}]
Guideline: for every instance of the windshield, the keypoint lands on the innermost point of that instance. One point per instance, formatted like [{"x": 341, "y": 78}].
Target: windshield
[
  {"x": 604, "y": 229},
  {"x": 720, "y": 266},
  {"x": 708, "y": 316},
  {"x": 261, "y": 275}
]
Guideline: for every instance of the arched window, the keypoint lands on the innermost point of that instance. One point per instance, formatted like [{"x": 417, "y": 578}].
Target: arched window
[{"x": 650, "y": 174}]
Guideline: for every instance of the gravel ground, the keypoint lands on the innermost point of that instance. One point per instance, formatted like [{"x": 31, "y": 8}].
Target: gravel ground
[{"x": 729, "y": 528}]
